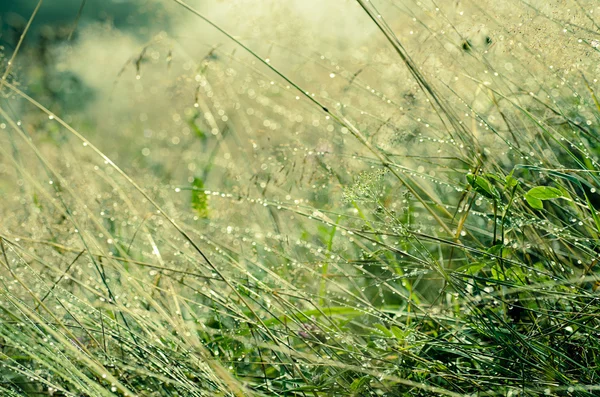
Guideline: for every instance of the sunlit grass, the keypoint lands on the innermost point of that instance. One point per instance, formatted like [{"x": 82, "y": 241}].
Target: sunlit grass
[{"x": 415, "y": 214}]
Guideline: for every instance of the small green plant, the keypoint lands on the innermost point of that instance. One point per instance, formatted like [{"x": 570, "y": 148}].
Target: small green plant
[{"x": 397, "y": 202}]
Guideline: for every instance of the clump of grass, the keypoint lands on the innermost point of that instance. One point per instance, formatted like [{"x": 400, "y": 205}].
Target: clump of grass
[{"x": 338, "y": 230}]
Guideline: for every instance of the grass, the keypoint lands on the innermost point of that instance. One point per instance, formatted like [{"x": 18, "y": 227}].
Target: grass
[{"x": 412, "y": 215}]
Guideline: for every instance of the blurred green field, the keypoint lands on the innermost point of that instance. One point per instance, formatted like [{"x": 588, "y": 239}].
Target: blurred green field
[{"x": 301, "y": 198}]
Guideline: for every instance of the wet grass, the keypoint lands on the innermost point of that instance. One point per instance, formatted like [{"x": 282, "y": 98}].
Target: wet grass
[{"x": 418, "y": 217}]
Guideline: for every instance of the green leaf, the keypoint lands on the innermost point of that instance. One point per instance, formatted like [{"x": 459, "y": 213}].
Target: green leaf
[
  {"x": 510, "y": 182},
  {"x": 400, "y": 334},
  {"x": 534, "y": 202},
  {"x": 471, "y": 268},
  {"x": 199, "y": 198},
  {"x": 495, "y": 177},
  {"x": 545, "y": 193},
  {"x": 384, "y": 330},
  {"x": 497, "y": 273},
  {"x": 358, "y": 383},
  {"x": 483, "y": 186},
  {"x": 496, "y": 249},
  {"x": 536, "y": 195}
]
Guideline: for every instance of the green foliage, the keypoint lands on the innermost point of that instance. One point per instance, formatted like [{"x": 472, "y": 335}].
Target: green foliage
[
  {"x": 199, "y": 198},
  {"x": 191, "y": 122},
  {"x": 535, "y": 196},
  {"x": 324, "y": 213},
  {"x": 483, "y": 186}
]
